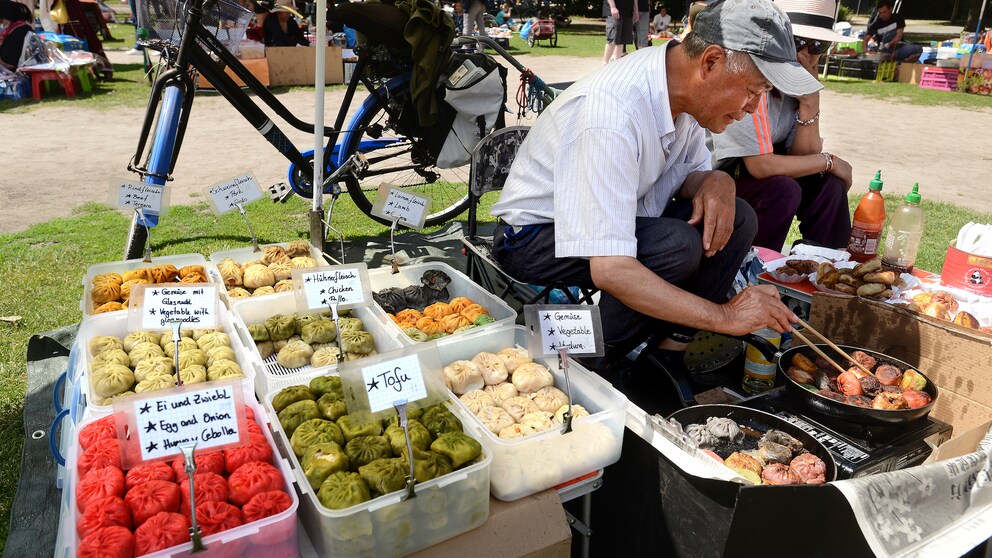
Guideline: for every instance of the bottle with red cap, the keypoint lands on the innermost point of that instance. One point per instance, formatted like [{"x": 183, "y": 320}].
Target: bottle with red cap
[{"x": 869, "y": 218}]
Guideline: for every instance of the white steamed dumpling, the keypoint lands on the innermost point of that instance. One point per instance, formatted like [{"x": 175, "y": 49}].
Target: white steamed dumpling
[
  {"x": 463, "y": 376},
  {"x": 492, "y": 368},
  {"x": 476, "y": 399},
  {"x": 531, "y": 377},
  {"x": 519, "y": 406},
  {"x": 501, "y": 392},
  {"x": 495, "y": 418},
  {"x": 514, "y": 357},
  {"x": 549, "y": 398}
]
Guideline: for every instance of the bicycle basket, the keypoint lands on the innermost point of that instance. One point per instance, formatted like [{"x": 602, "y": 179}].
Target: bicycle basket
[{"x": 164, "y": 21}]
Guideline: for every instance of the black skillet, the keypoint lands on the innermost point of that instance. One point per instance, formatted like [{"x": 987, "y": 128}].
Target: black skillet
[{"x": 853, "y": 413}]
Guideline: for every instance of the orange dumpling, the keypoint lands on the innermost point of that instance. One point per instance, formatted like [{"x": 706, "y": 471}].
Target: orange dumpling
[
  {"x": 164, "y": 273},
  {"x": 107, "y": 278},
  {"x": 430, "y": 326},
  {"x": 452, "y": 322},
  {"x": 105, "y": 292},
  {"x": 190, "y": 270},
  {"x": 408, "y": 315},
  {"x": 473, "y": 312},
  {"x": 111, "y": 306},
  {"x": 141, "y": 273},
  {"x": 460, "y": 303},
  {"x": 438, "y": 310}
]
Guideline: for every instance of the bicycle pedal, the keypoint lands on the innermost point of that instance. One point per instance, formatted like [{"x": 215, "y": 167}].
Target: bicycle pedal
[{"x": 280, "y": 192}]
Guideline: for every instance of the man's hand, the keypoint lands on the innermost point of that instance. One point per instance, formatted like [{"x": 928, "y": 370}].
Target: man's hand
[
  {"x": 755, "y": 308},
  {"x": 714, "y": 205},
  {"x": 637, "y": 16},
  {"x": 614, "y": 12},
  {"x": 842, "y": 169}
]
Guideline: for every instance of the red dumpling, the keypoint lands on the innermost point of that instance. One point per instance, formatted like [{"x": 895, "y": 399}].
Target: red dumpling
[
  {"x": 144, "y": 473},
  {"x": 107, "y": 542},
  {"x": 257, "y": 449},
  {"x": 212, "y": 462},
  {"x": 251, "y": 479},
  {"x": 100, "y": 483},
  {"x": 101, "y": 454},
  {"x": 250, "y": 414},
  {"x": 214, "y": 517},
  {"x": 103, "y": 429},
  {"x": 210, "y": 487},
  {"x": 265, "y": 504},
  {"x": 161, "y": 531},
  {"x": 108, "y": 511},
  {"x": 146, "y": 500}
]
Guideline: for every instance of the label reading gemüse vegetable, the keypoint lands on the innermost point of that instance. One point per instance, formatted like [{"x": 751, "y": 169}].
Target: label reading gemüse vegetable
[
  {"x": 156, "y": 306},
  {"x": 574, "y": 328}
]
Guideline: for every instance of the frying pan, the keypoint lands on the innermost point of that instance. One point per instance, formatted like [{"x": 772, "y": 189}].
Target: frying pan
[
  {"x": 847, "y": 412},
  {"x": 757, "y": 420}
]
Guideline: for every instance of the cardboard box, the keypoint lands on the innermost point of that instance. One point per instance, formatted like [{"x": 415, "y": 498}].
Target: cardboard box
[
  {"x": 258, "y": 68},
  {"x": 967, "y": 271},
  {"x": 532, "y": 527},
  {"x": 297, "y": 65},
  {"x": 910, "y": 73},
  {"x": 976, "y": 60}
]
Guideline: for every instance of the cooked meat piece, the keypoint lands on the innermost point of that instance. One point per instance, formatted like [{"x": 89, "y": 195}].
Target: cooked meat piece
[
  {"x": 844, "y": 288},
  {"x": 779, "y": 473},
  {"x": 870, "y": 385},
  {"x": 947, "y": 300},
  {"x": 871, "y": 266},
  {"x": 848, "y": 384},
  {"x": 787, "y": 271},
  {"x": 967, "y": 320},
  {"x": 783, "y": 438},
  {"x": 858, "y": 373},
  {"x": 800, "y": 376},
  {"x": 822, "y": 364},
  {"x": 884, "y": 277},
  {"x": 803, "y": 362},
  {"x": 825, "y": 381},
  {"x": 770, "y": 452},
  {"x": 858, "y": 401},
  {"x": 888, "y": 375},
  {"x": 871, "y": 289},
  {"x": 850, "y": 280},
  {"x": 810, "y": 468},
  {"x": 738, "y": 460},
  {"x": 831, "y": 395},
  {"x": 889, "y": 401},
  {"x": 891, "y": 389},
  {"x": 864, "y": 359},
  {"x": 803, "y": 266},
  {"x": 915, "y": 398}
]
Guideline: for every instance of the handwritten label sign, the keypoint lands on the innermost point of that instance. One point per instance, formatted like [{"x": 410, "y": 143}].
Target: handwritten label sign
[
  {"x": 576, "y": 328},
  {"x": 392, "y": 203},
  {"x": 318, "y": 288},
  {"x": 130, "y": 195},
  {"x": 156, "y": 306},
  {"x": 227, "y": 194},
  {"x": 157, "y": 425},
  {"x": 393, "y": 381}
]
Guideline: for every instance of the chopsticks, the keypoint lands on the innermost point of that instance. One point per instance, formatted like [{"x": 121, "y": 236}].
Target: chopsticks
[{"x": 829, "y": 344}]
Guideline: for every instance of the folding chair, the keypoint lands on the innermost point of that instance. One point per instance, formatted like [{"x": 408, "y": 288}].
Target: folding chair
[{"x": 490, "y": 166}]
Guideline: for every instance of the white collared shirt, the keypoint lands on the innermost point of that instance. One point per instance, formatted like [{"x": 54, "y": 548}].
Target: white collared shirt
[{"x": 603, "y": 153}]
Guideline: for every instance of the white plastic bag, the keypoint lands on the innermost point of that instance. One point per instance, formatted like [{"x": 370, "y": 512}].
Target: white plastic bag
[{"x": 477, "y": 107}]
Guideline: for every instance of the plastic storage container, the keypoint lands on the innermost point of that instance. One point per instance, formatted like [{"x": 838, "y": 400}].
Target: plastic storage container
[
  {"x": 115, "y": 323},
  {"x": 461, "y": 285},
  {"x": 386, "y": 526},
  {"x": 270, "y": 376},
  {"x": 525, "y": 466},
  {"x": 269, "y": 537},
  {"x": 247, "y": 254},
  {"x": 86, "y": 305}
]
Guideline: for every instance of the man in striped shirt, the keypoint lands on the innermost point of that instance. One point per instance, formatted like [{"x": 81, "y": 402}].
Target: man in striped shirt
[
  {"x": 613, "y": 186},
  {"x": 776, "y": 155}
]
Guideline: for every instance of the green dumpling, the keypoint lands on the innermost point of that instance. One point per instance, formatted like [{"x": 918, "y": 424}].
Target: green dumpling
[
  {"x": 366, "y": 449},
  {"x": 464, "y": 328},
  {"x": 360, "y": 342},
  {"x": 323, "y": 460},
  {"x": 296, "y": 414},
  {"x": 332, "y": 406},
  {"x": 384, "y": 475},
  {"x": 352, "y": 431},
  {"x": 304, "y": 319},
  {"x": 428, "y": 465},
  {"x": 484, "y": 319},
  {"x": 415, "y": 334},
  {"x": 437, "y": 335},
  {"x": 439, "y": 420},
  {"x": 319, "y": 331},
  {"x": 314, "y": 431},
  {"x": 258, "y": 332},
  {"x": 223, "y": 369},
  {"x": 290, "y": 395},
  {"x": 342, "y": 490},
  {"x": 350, "y": 324},
  {"x": 458, "y": 447},
  {"x": 411, "y": 414},
  {"x": 326, "y": 384},
  {"x": 280, "y": 327},
  {"x": 420, "y": 438}
]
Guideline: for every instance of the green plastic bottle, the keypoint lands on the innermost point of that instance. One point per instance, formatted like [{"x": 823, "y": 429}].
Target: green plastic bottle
[{"x": 902, "y": 237}]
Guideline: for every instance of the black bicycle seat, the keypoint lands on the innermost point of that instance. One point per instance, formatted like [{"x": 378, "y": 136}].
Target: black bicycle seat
[{"x": 380, "y": 23}]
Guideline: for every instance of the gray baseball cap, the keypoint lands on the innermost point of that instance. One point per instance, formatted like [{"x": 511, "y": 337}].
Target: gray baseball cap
[{"x": 762, "y": 30}]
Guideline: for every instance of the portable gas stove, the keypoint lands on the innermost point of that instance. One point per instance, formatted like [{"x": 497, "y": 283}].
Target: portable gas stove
[{"x": 858, "y": 449}]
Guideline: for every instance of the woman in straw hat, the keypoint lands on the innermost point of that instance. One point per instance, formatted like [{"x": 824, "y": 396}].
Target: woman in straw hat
[
  {"x": 776, "y": 155},
  {"x": 281, "y": 28}
]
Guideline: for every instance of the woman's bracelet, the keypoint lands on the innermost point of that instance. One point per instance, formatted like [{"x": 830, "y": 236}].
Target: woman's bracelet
[
  {"x": 829, "y": 160},
  {"x": 807, "y": 122}
]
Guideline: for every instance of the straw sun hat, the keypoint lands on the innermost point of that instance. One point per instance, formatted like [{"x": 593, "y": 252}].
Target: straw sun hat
[{"x": 812, "y": 19}]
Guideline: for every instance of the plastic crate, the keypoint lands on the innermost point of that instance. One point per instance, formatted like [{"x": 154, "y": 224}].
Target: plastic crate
[
  {"x": 387, "y": 526},
  {"x": 272, "y": 536},
  {"x": 86, "y": 305},
  {"x": 164, "y": 21},
  {"x": 942, "y": 79},
  {"x": 461, "y": 285},
  {"x": 115, "y": 323},
  {"x": 270, "y": 376},
  {"x": 525, "y": 466},
  {"x": 242, "y": 255},
  {"x": 886, "y": 71}
]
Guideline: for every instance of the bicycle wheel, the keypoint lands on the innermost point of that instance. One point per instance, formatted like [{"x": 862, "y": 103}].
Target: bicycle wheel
[
  {"x": 396, "y": 160},
  {"x": 554, "y": 38}
]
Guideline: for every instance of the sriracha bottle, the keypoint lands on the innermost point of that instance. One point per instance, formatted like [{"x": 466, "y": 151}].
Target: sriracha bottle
[{"x": 869, "y": 218}]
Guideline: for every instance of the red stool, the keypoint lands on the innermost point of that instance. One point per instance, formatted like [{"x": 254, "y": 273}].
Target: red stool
[{"x": 39, "y": 77}]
